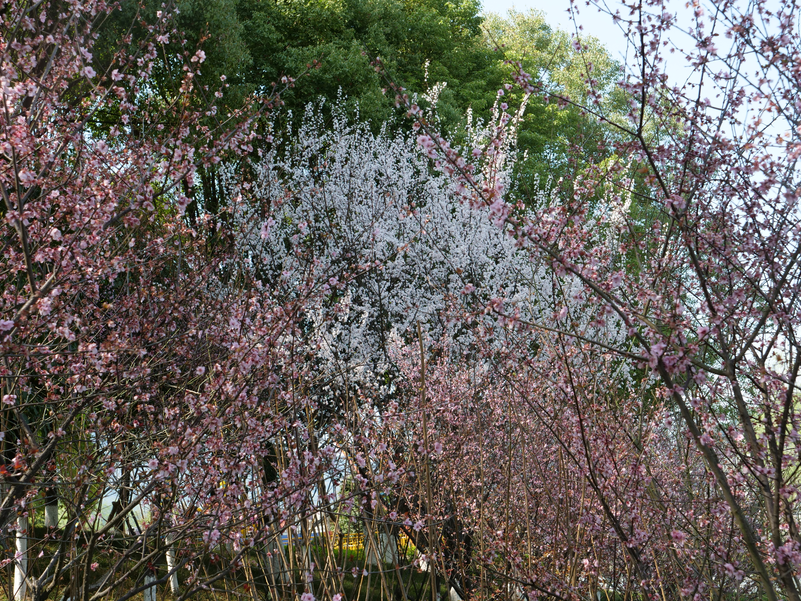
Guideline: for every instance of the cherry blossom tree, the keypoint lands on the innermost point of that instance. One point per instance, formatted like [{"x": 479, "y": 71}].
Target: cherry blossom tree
[
  {"x": 361, "y": 214},
  {"x": 139, "y": 384},
  {"x": 703, "y": 271}
]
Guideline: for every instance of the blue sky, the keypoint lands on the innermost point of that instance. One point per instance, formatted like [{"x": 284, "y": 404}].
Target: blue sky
[{"x": 600, "y": 26}]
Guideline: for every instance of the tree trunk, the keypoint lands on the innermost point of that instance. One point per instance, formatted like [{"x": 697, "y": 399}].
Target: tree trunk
[
  {"x": 386, "y": 551},
  {"x": 175, "y": 585},
  {"x": 21, "y": 563},
  {"x": 51, "y": 508},
  {"x": 150, "y": 592}
]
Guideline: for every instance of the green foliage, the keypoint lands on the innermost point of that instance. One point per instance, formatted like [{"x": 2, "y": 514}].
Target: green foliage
[
  {"x": 549, "y": 130},
  {"x": 328, "y": 47},
  {"x": 341, "y": 37},
  {"x": 215, "y": 26}
]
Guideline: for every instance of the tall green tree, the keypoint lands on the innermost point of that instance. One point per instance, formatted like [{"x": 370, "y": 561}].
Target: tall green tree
[
  {"x": 342, "y": 37},
  {"x": 550, "y": 129}
]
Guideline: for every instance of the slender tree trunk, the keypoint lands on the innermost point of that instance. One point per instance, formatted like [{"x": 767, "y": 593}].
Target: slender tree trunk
[
  {"x": 51, "y": 507},
  {"x": 150, "y": 592},
  {"x": 175, "y": 585},
  {"x": 386, "y": 551},
  {"x": 274, "y": 560},
  {"x": 21, "y": 563}
]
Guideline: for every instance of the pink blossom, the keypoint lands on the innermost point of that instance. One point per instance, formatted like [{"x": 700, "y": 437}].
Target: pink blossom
[
  {"x": 678, "y": 536},
  {"x": 267, "y": 227},
  {"x": 26, "y": 177}
]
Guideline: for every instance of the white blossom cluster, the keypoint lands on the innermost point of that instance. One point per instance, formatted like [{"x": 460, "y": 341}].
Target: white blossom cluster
[{"x": 386, "y": 240}]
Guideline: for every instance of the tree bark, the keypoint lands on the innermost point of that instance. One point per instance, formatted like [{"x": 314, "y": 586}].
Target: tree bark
[
  {"x": 51, "y": 507},
  {"x": 21, "y": 562},
  {"x": 175, "y": 585}
]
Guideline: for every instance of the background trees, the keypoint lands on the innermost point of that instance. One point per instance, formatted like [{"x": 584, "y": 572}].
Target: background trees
[
  {"x": 558, "y": 140},
  {"x": 344, "y": 37}
]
